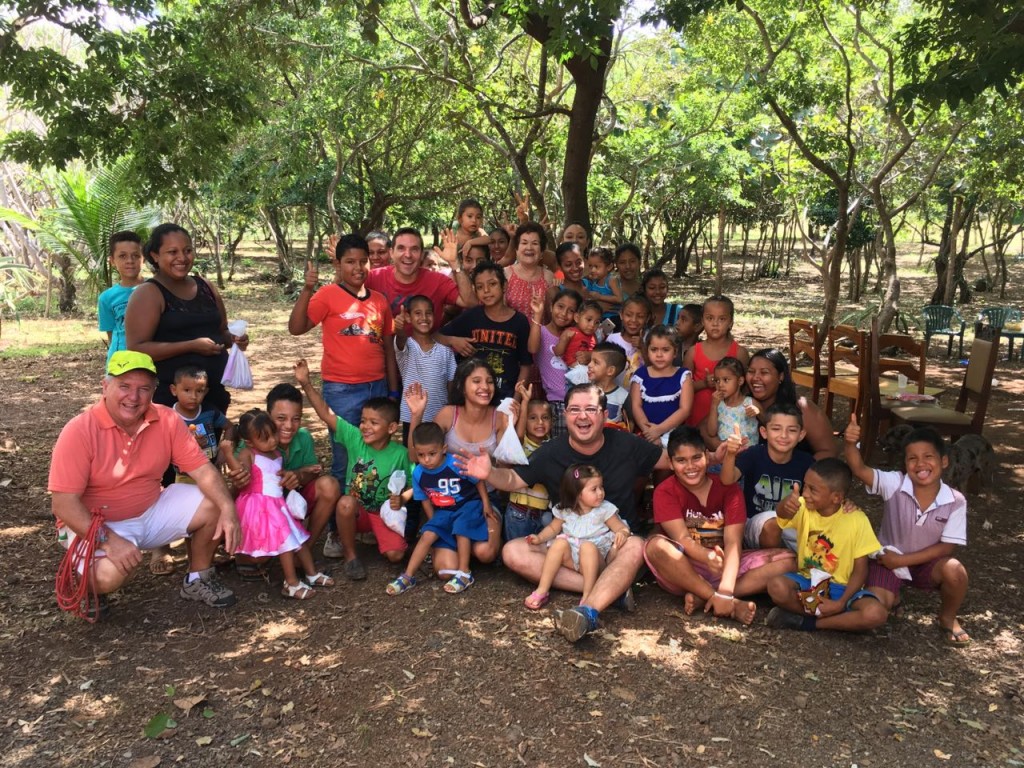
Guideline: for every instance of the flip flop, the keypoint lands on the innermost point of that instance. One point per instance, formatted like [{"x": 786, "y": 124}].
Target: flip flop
[
  {"x": 536, "y": 600},
  {"x": 954, "y": 638}
]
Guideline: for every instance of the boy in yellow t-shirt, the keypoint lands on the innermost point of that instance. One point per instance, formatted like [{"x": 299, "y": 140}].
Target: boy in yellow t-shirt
[{"x": 834, "y": 541}]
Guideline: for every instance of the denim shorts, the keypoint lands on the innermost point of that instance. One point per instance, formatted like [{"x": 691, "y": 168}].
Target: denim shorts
[
  {"x": 521, "y": 521},
  {"x": 346, "y": 400}
]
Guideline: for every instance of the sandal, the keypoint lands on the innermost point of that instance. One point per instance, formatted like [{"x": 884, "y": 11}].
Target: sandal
[
  {"x": 251, "y": 572},
  {"x": 299, "y": 592},
  {"x": 161, "y": 564},
  {"x": 460, "y": 582},
  {"x": 954, "y": 638},
  {"x": 536, "y": 600},
  {"x": 319, "y": 579},
  {"x": 401, "y": 585}
]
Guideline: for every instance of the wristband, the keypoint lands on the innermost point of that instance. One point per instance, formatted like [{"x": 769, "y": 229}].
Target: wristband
[
  {"x": 727, "y": 597},
  {"x": 394, "y": 394}
]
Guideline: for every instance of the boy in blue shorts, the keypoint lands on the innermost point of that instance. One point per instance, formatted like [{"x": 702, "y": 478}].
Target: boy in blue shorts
[
  {"x": 923, "y": 523},
  {"x": 456, "y": 507},
  {"x": 834, "y": 542}
]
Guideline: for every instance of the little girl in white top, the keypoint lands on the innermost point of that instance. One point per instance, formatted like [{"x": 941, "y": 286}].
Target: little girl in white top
[{"x": 584, "y": 530}]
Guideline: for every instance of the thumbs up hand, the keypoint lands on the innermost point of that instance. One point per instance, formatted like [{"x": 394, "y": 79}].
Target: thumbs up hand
[
  {"x": 852, "y": 432},
  {"x": 735, "y": 442},
  {"x": 791, "y": 504}
]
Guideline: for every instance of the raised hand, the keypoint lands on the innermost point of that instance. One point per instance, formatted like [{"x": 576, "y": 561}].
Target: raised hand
[
  {"x": 312, "y": 275},
  {"x": 852, "y": 433},
  {"x": 301, "y": 372},
  {"x": 450, "y": 248},
  {"x": 537, "y": 303},
  {"x": 522, "y": 207},
  {"x": 524, "y": 391},
  {"x": 331, "y": 249},
  {"x": 790, "y": 505},
  {"x": 416, "y": 398},
  {"x": 401, "y": 320},
  {"x": 735, "y": 442},
  {"x": 477, "y": 466}
]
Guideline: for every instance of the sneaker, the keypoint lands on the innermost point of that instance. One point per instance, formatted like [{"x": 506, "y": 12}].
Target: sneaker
[
  {"x": 626, "y": 602},
  {"x": 355, "y": 570},
  {"x": 576, "y": 623},
  {"x": 98, "y": 611},
  {"x": 780, "y": 619},
  {"x": 208, "y": 589},
  {"x": 332, "y": 547}
]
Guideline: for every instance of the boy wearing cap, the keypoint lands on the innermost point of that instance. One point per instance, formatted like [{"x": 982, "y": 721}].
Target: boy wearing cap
[{"x": 108, "y": 462}]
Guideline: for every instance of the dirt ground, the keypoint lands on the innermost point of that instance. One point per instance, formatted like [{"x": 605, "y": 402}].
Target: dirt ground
[{"x": 357, "y": 678}]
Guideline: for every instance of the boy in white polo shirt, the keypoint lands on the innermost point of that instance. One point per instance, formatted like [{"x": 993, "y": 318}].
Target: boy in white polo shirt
[{"x": 923, "y": 523}]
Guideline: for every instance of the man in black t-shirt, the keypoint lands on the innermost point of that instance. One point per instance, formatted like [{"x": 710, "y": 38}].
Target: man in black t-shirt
[{"x": 621, "y": 458}]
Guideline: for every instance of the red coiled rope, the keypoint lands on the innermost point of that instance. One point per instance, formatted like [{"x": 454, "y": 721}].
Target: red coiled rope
[{"x": 77, "y": 594}]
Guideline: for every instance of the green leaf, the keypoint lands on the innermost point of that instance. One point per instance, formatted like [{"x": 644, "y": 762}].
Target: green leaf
[{"x": 160, "y": 723}]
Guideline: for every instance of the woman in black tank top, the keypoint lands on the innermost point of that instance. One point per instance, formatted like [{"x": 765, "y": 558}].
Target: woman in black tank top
[{"x": 179, "y": 319}]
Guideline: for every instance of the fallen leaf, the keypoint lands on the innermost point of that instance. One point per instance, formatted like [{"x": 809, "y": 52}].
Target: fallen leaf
[
  {"x": 701, "y": 749},
  {"x": 940, "y": 754},
  {"x": 188, "y": 702},
  {"x": 287, "y": 707},
  {"x": 975, "y": 724},
  {"x": 86, "y": 685},
  {"x": 408, "y": 674},
  {"x": 421, "y": 733},
  {"x": 208, "y": 713},
  {"x": 159, "y": 725},
  {"x": 720, "y": 738},
  {"x": 203, "y": 741},
  {"x": 239, "y": 740},
  {"x": 583, "y": 664},
  {"x": 596, "y": 713},
  {"x": 590, "y": 761},
  {"x": 810, "y": 676},
  {"x": 624, "y": 693},
  {"x": 149, "y": 761},
  {"x": 993, "y": 707}
]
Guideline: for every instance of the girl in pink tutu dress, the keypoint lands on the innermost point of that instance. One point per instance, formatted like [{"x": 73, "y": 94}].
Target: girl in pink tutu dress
[{"x": 268, "y": 528}]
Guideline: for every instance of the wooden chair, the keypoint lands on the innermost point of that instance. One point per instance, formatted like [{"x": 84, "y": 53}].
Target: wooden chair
[
  {"x": 976, "y": 389},
  {"x": 941, "y": 320},
  {"x": 911, "y": 363},
  {"x": 847, "y": 367},
  {"x": 805, "y": 357}
]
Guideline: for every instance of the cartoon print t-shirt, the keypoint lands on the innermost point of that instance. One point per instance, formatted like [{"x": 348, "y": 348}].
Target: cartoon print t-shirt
[
  {"x": 368, "y": 468},
  {"x": 354, "y": 330},
  {"x": 705, "y": 523},
  {"x": 444, "y": 487},
  {"x": 832, "y": 543}
]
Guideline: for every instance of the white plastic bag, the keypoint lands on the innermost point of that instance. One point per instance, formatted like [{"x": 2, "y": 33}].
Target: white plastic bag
[
  {"x": 296, "y": 504},
  {"x": 395, "y": 518},
  {"x": 577, "y": 375},
  {"x": 237, "y": 373},
  {"x": 510, "y": 449},
  {"x": 902, "y": 572}
]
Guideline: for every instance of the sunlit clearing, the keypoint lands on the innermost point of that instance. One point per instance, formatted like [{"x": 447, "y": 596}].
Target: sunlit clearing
[
  {"x": 18, "y": 531},
  {"x": 658, "y": 647}
]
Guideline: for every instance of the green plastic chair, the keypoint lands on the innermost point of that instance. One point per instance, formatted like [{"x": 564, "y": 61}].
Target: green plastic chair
[
  {"x": 941, "y": 320},
  {"x": 996, "y": 318}
]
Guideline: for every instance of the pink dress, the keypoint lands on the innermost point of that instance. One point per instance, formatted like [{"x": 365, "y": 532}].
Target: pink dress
[{"x": 267, "y": 526}]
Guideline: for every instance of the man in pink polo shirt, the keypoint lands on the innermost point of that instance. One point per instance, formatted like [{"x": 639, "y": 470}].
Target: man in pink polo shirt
[{"x": 109, "y": 461}]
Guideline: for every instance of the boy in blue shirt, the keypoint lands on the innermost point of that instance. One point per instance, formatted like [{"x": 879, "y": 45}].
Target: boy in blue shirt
[{"x": 125, "y": 251}]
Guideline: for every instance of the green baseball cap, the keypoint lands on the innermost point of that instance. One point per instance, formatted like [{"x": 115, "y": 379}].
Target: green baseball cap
[{"x": 126, "y": 360}]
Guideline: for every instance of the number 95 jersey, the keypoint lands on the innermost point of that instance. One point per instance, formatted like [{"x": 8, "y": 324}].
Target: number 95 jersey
[{"x": 444, "y": 487}]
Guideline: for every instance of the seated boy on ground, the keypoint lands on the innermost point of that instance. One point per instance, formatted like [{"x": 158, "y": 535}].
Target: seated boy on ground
[
  {"x": 700, "y": 554},
  {"x": 923, "y": 523},
  {"x": 372, "y": 458},
  {"x": 769, "y": 471},
  {"x": 834, "y": 540}
]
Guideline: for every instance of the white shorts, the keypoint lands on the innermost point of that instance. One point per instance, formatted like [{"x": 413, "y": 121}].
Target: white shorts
[
  {"x": 166, "y": 521},
  {"x": 752, "y": 531}
]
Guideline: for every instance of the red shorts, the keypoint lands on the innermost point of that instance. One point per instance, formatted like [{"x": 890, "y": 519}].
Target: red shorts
[
  {"x": 387, "y": 540},
  {"x": 920, "y": 577},
  {"x": 749, "y": 560},
  {"x": 308, "y": 492}
]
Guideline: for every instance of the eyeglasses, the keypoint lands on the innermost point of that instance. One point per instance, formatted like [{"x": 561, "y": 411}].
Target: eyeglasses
[{"x": 575, "y": 410}]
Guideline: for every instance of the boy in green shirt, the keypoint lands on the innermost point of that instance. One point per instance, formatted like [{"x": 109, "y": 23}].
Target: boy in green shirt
[{"x": 372, "y": 458}]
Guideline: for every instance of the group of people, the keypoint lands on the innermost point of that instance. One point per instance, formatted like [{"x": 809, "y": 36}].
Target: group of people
[{"x": 509, "y": 400}]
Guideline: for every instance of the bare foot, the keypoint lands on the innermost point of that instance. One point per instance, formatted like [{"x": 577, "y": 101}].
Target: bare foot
[
  {"x": 692, "y": 604},
  {"x": 743, "y": 611}
]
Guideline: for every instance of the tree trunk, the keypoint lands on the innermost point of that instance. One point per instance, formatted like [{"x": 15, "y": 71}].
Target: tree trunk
[
  {"x": 589, "y": 81},
  {"x": 954, "y": 231},
  {"x": 280, "y": 240},
  {"x": 720, "y": 253}
]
